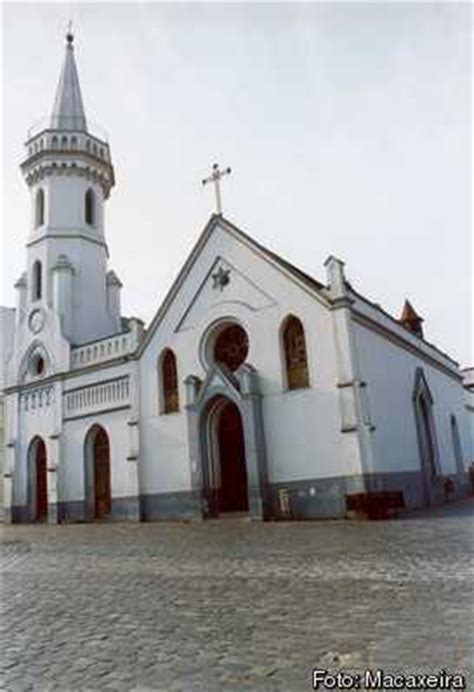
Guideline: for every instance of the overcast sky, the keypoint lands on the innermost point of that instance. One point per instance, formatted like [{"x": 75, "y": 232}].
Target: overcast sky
[{"x": 347, "y": 126}]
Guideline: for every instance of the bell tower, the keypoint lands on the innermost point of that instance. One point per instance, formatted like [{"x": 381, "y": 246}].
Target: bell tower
[{"x": 69, "y": 172}]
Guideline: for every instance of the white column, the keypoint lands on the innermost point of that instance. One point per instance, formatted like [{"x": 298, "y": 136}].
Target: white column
[
  {"x": 114, "y": 286},
  {"x": 133, "y": 457},
  {"x": 21, "y": 299},
  {"x": 63, "y": 277},
  {"x": 8, "y": 471},
  {"x": 52, "y": 461}
]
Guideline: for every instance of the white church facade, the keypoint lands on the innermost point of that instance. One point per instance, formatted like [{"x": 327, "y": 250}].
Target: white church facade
[{"x": 256, "y": 389}]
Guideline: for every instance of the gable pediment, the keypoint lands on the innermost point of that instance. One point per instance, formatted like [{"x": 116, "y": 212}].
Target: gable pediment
[{"x": 223, "y": 285}]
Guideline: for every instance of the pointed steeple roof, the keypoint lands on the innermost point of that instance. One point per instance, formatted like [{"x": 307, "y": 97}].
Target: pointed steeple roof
[
  {"x": 68, "y": 111},
  {"x": 410, "y": 319}
]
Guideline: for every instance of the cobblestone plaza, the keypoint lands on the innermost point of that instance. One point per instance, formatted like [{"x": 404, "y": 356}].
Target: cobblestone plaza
[{"x": 233, "y": 605}]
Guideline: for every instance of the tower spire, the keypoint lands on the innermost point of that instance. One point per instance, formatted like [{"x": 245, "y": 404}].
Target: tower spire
[{"x": 68, "y": 110}]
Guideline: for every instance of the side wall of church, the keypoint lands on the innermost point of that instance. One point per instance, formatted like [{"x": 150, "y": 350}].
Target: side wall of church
[
  {"x": 7, "y": 328},
  {"x": 468, "y": 382},
  {"x": 390, "y": 371}
]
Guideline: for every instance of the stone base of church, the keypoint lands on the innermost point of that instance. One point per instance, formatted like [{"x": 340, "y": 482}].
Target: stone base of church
[
  {"x": 377, "y": 495},
  {"x": 183, "y": 505},
  {"x": 19, "y": 515},
  {"x": 317, "y": 498}
]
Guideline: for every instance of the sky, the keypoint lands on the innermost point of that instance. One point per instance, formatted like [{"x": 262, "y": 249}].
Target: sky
[{"x": 347, "y": 127}]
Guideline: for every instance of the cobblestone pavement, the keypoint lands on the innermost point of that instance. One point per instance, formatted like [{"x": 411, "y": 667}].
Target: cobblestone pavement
[{"x": 234, "y": 606}]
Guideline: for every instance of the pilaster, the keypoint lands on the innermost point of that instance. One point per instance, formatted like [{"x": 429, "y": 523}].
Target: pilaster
[
  {"x": 53, "y": 457},
  {"x": 352, "y": 392},
  {"x": 8, "y": 473}
]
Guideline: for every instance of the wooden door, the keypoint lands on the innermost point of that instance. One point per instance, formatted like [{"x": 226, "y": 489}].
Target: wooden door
[
  {"x": 233, "y": 485},
  {"x": 41, "y": 483},
  {"x": 103, "y": 502}
]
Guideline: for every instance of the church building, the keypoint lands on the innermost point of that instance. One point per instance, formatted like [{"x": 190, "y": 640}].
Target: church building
[{"x": 256, "y": 389}]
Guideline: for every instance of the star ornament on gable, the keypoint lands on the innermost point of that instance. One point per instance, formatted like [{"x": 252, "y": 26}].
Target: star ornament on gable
[{"x": 221, "y": 278}]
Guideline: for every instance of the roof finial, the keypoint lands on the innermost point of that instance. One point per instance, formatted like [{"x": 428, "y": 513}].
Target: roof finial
[
  {"x": 215, "y": 178},
  {"x": 68, "y": 110},
  {"x": 69, "y": 35}
]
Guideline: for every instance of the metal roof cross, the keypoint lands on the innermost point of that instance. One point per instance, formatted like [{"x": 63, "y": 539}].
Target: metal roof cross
[{"x": 215, "y": 178}]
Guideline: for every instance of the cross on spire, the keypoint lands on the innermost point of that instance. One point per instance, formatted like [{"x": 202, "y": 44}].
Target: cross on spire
[{"x": 215, "y": 178}]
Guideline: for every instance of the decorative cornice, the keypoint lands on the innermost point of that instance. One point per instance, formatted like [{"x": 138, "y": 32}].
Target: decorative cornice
[
  {"x": 101, "y": 412},
  {"x": 40, "y": 166},
  {"x": 75, "y": 235},
  {"x": 94, "y": 384}
]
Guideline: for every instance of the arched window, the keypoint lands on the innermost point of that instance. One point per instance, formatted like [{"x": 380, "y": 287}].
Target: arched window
[
  {"x": 54, "y": 142},
  {"x": 64, "y": 142},
  {"x": 89, "y": 207},
  {"x": 37, "y": 282},
  {"x": 39, "y": 208},
  {"x": 456, "y": 439},
  {"x": 425, "y": 411},
  {"x": 73, "y": 142},
  {"x": 169, "y": 382},
  {"x": 426, "y": 433},
  {"x": 296, "y": 360}
]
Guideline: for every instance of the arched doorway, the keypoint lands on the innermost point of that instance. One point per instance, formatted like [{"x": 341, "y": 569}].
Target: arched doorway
[
  {"x": 225, "y": 482},
  {"x": 97, "y": 468},
  {"x": 37, "y": 482}
]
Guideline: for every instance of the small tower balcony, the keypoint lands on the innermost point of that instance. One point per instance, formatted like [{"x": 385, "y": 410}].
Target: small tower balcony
[
  {"x": 43, "y": 138},
  {"x": 51, "y": 150}
]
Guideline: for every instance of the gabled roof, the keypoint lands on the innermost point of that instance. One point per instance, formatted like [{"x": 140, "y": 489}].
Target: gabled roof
[
  {"x": 315, "y": 287},
  {"x": 68, "y": 110},
  {"x": 284, "y": 264}
]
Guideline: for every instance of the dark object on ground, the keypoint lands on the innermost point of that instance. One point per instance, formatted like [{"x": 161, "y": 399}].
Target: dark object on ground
[{"x": 378, "y": 504}]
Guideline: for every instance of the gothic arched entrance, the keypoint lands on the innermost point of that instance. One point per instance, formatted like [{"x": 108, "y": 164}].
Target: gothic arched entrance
[
  {"x": 225, "y": 482},
  {"x": 97, "y": 468},
  {"x": 38, "y": 484}
]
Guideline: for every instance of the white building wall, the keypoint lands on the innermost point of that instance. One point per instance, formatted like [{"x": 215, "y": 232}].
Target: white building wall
[
  {"x": 389, "y": 371},
  {"x": 72, "y": 473},
  {"x": 65, "y": 205},
  {"x": 106, "y": 402},
  {"x": 90, "y": 319},
  {"x": 7, "y": 328},
  {"x": 468, "y": 382}
]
